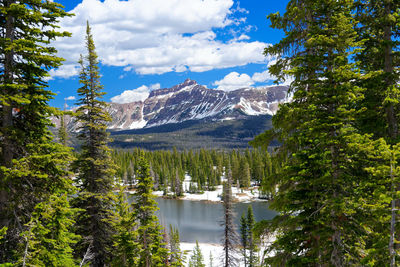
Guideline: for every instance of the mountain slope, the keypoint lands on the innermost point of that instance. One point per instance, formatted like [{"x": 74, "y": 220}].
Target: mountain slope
[{"x": 190, "y": 101}]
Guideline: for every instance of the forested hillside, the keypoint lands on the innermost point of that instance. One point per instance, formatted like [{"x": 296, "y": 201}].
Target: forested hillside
[
  {"x": 329, "y": 164},
  {"x": 205, "y": 167}
]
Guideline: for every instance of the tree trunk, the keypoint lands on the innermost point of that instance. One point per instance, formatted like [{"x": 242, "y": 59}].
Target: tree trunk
[{"x": 7, "y": 118}]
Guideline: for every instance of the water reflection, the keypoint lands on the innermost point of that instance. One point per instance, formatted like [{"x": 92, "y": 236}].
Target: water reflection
[{"x": 199, "y": 220}]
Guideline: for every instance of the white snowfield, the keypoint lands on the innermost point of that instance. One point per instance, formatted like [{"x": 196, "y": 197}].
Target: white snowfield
[{"x": 216, "y": 250}]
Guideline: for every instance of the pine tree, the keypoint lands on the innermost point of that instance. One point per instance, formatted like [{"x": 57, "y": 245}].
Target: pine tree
[
  {"x": 49, "y": 237},
  {"x": 32, "y": 166},
  {"x": 177, "y": 256},
  {"x": 94, "y": 166},
  {"x": 379, "y": 61},
  {"x": 244, "y": 238},
  {"x": 152, "y": 251},
  {"x": 125, "y": 245},
  {"x": 244, "y": 173},
  {"x": 250, "y": 222},
  {"x": 197, "y": 260},
  {"x": 62, "y": 131},
  {"x": 230, "y": 238},
  {"x": 319, "y": 212}
]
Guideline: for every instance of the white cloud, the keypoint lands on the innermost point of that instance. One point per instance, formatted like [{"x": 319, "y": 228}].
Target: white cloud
[
  {"x": 64, "y": 71},
  {"x": 234, "y": 81},
  {"x": 155, "y": 86},
  {"x": 138, "y": 94},
  {"x": 262, "y": 76},
  {"x": 70, "y": 98},
  {"x": 158, "y": 36}
]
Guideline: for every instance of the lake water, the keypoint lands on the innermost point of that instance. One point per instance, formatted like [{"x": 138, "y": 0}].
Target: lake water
[{"x": 200, "y": 220}]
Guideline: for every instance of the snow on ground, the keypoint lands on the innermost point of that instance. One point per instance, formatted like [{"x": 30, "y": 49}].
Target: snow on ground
[
  {"x": 216, "y": 250},
  {"x": 239, "y": 194}
]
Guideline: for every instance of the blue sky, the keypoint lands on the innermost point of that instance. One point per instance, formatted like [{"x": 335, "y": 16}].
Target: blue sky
[{"x": 149, "y": 44}]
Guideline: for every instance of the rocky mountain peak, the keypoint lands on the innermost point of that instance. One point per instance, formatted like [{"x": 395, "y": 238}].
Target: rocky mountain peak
[{"x": 191, "y": 101}]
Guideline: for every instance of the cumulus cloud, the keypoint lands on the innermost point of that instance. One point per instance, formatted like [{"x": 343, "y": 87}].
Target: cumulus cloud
[
  {"x": 234, "y": 80},
  {"x": 138, "y": 94},
  {"x": 70, "y": 98},
  {"x": 65, "y": 71},
  {"x": 158, "y": 36}
]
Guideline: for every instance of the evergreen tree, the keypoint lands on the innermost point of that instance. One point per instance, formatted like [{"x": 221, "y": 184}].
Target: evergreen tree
[
  {"x": 62, "y": 131},
  {"x": 319, "y": 212},
  {"x": 196, "y": 260},
  {"x": 250, "y": 221},
  {"x": 211, "y": 263},
  {"x": 49, "y": 237},
  {"x": 378, "y": 60},
  {"x": 177, "y": 256},
  {"x": 244, "y": 238},
  {"x": 244, "y": 173},
  {"x": 94, "y": 167},
  {"x": 152, "y": 251},
  {"x": 126, "y": 246},
  {"x": 32, "y": 166},
  {"x": 230, "y": 239}
]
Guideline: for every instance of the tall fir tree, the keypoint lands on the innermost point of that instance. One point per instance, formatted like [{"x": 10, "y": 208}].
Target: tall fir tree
[
  {"x": 177, "y": 256},
  {"x": 152, "y": 251},
  {"x": 250, "y": 222},
  {"x": 94, "y": 166},
  {"x": 230, "y": 238},
  {"x": 379, "y": 28},
  {"x": 319, "y": 221},
  {"x": 126, "y": 247},
  {"x": 32, "y": 166},
  {"x": 244, "y": 238}
]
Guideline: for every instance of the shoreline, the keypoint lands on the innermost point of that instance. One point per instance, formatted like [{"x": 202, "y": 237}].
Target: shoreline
[{"x": 239, "y": 195}]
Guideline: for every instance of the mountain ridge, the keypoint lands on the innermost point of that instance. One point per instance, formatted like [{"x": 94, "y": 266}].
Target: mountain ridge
[{"x": 191, "y": 101}]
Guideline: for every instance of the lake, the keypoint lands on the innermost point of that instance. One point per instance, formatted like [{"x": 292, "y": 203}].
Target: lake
[{"x": 200, "y": 220}]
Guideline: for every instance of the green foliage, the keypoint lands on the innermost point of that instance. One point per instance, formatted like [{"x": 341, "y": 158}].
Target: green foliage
[
  {"x": 244, "y": 237},
  {"x": 126, "y": 247},
  {"x": 320, "y": 216},
  {"x": 28, "y": 173},
  {"x": 48, "y": 238},
  {"x": 153, "y": 251},
  {"x": 196, "y": 260},
  {"x": 205, "y": 167},
  {"x": 177, "y": 256},
  {"x": 62, "y": 132},
  {"x": 94, "y": 166}
]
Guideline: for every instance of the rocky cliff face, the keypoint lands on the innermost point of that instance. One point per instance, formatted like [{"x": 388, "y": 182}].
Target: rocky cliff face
[{"x": 191, "y": 101}]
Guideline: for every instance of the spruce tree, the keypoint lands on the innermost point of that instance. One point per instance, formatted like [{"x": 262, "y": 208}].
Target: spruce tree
[
  {"x": 196, "y": 260},
  {"x": 244, "y": 238},
  {"x": 177, "y": 257},
  {"x": 49, "y": 237},
  {"x": 62, "y": 131},
  {"x": 152, "y": 251},
  {"x": 32, "y": 166},
  {"x": 378, "y": 59},
  {"x": 125, "y": 244},
  {"x": 230, "y": 238},
  {"x": 319, "y": 221},
  {"x": 250, "y": 222},
  {"x": 94, "y": 166}
]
